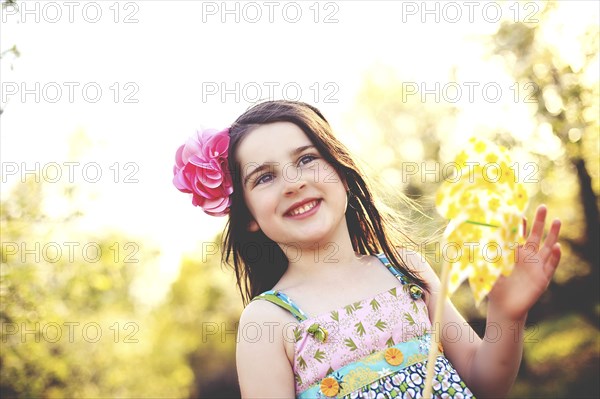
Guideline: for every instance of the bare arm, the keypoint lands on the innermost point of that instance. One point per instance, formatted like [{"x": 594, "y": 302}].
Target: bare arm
[
  {"x": 264, "y": 370},
  {"x": 489, "y": 366},
  {"x": 495, "y": 365}
]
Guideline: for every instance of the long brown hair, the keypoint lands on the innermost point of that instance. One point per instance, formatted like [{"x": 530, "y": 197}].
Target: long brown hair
[{"x": 258, "y": 261}]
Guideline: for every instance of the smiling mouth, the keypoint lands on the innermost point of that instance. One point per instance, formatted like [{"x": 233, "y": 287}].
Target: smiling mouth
[{"x": 304, "y": 208}]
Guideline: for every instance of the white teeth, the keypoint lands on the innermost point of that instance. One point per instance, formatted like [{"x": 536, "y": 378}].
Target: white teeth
[{"x": 304, "y": 208}]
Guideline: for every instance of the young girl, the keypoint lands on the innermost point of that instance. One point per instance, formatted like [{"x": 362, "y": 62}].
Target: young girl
[{"x": 337, "y": 306}]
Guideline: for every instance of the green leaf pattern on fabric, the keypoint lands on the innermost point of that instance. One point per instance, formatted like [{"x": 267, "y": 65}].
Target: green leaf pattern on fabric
[
  {"x": 360, "y": 329},
  {"x": 409, "y": 318},
  {"x": 297, "y": 334},
  {"x": 350, "y": 344},
  {"x": 414, "y": 306},
  {"x": 319, "y": 355},
  {"x": 390, "y": 342},
  {"x": 301, "y": 362},
  {"x": 375, "y": 305},
  {"x": 381, "y": 325},
  {"x": 335, "y": 315}
]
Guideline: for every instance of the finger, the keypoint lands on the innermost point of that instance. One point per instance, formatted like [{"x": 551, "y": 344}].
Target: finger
[
  {"x": 551, "y": 239},
  {"x": 538, "y": 226},
  {"x": 552, "y": 264}
]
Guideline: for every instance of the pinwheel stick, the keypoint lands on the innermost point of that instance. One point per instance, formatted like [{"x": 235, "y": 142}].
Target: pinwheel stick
[{"x": 437, "y": 336}]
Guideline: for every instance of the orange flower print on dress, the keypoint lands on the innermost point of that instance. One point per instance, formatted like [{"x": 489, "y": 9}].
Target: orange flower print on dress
[
  {"x": 330, "y": 387},
  {"x": 394, "y": 356}
]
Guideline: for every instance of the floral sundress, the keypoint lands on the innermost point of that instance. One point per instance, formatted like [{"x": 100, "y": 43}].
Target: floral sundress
[{"x": 373, "y": 348}]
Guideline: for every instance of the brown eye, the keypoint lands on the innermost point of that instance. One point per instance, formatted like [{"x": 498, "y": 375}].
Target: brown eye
[
  {"x": 306, "y": 159},
  {"x": 264, "y": 178}
]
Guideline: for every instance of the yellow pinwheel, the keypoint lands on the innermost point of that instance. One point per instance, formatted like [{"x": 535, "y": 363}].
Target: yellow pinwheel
[{"x": 485, "y": 204}]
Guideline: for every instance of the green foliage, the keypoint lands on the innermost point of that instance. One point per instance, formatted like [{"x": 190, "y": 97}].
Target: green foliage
[
  {"x": 562, "y": 358},
  {"x": 66, "y": 320},
  {"x": 70, "y": 327},
  {"x": 197, "y": 325},
  {"x": 565, "y": 348},
  {"x": 561, "y": 78}
]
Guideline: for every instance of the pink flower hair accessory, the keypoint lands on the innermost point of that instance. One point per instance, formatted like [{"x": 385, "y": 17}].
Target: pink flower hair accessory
[{"x": 201, "y": 168}]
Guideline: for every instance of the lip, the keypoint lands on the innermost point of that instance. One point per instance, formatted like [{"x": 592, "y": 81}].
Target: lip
[{"x": 300, "y": 203}]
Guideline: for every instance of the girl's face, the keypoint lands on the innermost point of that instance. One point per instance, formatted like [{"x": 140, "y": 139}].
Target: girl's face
[{"x": 294, "y": 196}]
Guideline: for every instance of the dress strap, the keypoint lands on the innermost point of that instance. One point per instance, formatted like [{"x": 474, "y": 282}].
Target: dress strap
[
  {"x": 282, "y": 300},
  {"x": 414, "y": 290},
  {"x": 399, "y": 275}
]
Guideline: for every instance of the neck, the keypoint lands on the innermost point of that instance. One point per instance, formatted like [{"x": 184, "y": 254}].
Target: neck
[{"x": 314, "y": 260}]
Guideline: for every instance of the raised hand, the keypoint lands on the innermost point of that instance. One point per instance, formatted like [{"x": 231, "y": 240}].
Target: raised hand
[{"x": 514, "y": 295}]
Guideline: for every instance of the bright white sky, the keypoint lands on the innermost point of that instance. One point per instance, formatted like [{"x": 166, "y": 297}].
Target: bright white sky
[{"x": 178, "y": 48}]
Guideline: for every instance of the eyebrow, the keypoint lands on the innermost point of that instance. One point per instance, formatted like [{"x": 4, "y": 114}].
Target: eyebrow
[{"x": 266, "y": 164}]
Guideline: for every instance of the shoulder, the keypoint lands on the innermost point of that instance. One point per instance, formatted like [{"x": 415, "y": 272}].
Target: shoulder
[
  {"x": 258, "y": 311},
  {"x": 262, "y": 353},
  {"x": 263, "y": 323},
  {"x": 265, "y": 329},
  {"x": 268, "y": 320}
]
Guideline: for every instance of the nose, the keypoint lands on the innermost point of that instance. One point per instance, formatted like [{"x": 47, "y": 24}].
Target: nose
[{"x": 293, "y": 182}]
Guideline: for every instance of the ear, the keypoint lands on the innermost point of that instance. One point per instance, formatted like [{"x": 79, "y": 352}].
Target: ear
[{"x": 253, "y": 226}]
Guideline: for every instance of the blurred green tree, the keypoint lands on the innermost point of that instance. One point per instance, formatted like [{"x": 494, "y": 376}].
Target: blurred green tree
[
  {"x": 563, "y": 326},
  {"x": 69, "y": 324},
  {"x": 199, "y": 321},
  {"x": 565, "y": 359}
]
